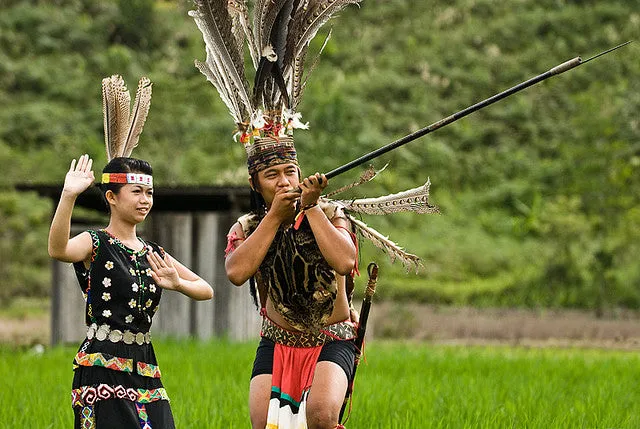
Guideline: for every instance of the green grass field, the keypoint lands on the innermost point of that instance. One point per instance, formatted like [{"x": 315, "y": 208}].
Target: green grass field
[{"x": 398, "y": 385}]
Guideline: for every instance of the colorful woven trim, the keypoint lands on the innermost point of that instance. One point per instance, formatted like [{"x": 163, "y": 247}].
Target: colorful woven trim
[
  {"x": 89, "y": 395},
  {"x": 132, "y": 178},
  {"x": 148, "y": 370},
  {"x": 116, "y": 363},
  {"x": 338, "y": 331},
  {"x": 267, "y": 152},
  {"x": 87, "y": 418},
  {"x": 103, "y": 360},
  {"x": 143, "y": 417},
  {"x": 95, "y": 244}
]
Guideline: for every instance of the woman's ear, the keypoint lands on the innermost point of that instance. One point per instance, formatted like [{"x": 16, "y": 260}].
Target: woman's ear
[
  {"x": 110, "y": 197},
  {"x": 253, "y": 188}
]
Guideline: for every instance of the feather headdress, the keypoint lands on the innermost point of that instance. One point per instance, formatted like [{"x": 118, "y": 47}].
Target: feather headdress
[
  {"x": 277, "y": 39},
  {"x": 122, "y": 124}
]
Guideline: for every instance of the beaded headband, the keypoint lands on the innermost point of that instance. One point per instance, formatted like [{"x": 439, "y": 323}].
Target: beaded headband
[
  {"x": 131, "y": 178},
  {"x": 267, "y": 152}
]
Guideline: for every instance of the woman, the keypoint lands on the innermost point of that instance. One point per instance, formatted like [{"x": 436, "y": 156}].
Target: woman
[{"x": 116, "y": 376}]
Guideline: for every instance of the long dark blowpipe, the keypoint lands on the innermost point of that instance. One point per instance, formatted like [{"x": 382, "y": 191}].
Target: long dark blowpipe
[{"x": 561, "y": 68}]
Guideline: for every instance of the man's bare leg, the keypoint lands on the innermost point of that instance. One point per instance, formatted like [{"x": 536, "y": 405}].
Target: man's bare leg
[
  {"x": 326, "y": 396},
  {"x": 259, "y": 396}
]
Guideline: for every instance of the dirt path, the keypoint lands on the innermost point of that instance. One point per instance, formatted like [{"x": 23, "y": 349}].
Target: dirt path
[
  {"x": 565, "y": 328},
  {"x": 25, "y": 331},
  {"x": 549, "y": 328}
]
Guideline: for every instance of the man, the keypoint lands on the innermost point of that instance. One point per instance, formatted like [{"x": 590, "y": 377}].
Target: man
[{"x": 299, "y": 252}]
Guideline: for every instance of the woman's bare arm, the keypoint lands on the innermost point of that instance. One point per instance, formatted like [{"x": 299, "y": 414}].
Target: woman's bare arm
[{"x": 60, "y": 246}]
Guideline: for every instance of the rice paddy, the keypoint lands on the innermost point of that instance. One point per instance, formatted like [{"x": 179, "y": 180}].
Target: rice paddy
[{"x": 398, "y": 385}]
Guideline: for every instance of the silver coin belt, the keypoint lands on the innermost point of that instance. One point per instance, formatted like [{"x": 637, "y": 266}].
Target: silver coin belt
[{"x": 104, "y": 332}]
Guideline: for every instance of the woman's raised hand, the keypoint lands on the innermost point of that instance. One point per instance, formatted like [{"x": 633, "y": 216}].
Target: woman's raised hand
[
  {"x": 163, "y": 271},
  {"x": 80, "y": 176}
]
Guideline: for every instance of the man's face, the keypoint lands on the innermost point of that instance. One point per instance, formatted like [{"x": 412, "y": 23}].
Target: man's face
[{"x": 281, "y": 177}]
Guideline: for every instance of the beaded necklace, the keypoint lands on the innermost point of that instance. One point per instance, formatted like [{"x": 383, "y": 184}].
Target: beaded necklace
[{"x": 135, "y": 258}]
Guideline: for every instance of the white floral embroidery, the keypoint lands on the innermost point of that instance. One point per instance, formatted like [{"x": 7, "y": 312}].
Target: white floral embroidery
[
  {"x": 106, "y": 296},
  {"x": 112, "y": 241},
  {"x": 132, "y": 303},
  {"x": 109, "y": 265},
  {"x": 128, "y": 319},
  {"x": 106, "y": 313},
  {"x": 152, "y": 288},
  {"x": 106, "y": 282},
  {"x": 132, "y": 271},
  {"x": 148, "y": 271},
  {"x": 134, "y": 287},
  {"x": 148, "y": 303}
]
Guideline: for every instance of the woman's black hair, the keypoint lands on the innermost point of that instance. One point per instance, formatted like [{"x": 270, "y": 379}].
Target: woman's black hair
[{"x": 123, "y": 165}]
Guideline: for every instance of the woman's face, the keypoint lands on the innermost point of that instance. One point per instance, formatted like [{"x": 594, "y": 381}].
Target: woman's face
[
  {"x": 275, "y": 179},
  {"x": 133, "y": 203}
]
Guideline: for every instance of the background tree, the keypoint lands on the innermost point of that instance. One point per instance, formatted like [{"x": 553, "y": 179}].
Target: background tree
[{"x": 538, "y": 193}]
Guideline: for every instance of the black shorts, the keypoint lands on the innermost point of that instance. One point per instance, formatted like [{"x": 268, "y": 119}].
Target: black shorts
[{"x": 342, "y": 353}]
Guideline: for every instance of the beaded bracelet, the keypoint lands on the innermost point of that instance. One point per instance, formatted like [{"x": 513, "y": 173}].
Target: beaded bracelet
[
  {"x": 300, "y": 215},
  {"x": 309, "y": 206}
]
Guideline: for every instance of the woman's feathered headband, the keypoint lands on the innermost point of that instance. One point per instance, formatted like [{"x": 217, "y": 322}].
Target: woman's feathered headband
[
  {"x": 277, "y": 42},
  {"x": 122, "y": 124}
]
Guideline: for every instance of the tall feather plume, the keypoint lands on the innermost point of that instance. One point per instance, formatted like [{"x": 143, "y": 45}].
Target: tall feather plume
[
  {"x": 116, "y": 104},
  {"x": 141, "y": 106},
  {"x": 278, "y": 43},
  {"x": 265, "y": 14},
  {"x": 237, "y": 25},
  {"x": 307, "y": 21},
  {"x": 260, "y": 11},
  {"x": 414, "y": 200},
  {"x": 224, "y": 65},
  {"x": 409, "y": 260},
  {"x": 297, "y": 83},
  {"x": 273, "y": 25},
  {"x": 240, "y": 15},
  {"x": 123, "y": 126}
]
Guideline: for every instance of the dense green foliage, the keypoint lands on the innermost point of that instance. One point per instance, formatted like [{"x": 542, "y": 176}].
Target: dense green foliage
[
  {"x": 538, "y": 193},
  {"x": 430, "y": 387}
]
